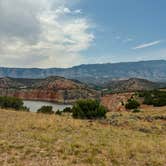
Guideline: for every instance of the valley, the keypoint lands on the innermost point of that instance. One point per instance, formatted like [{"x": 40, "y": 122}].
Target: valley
[
  {"x": 82, "y": 83},
  {"x": 64, "y": 91},
  {"x": 122, "y": 136}
]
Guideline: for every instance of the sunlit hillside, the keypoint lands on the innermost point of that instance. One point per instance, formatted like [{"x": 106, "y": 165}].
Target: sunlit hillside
[{"x": 122, "y": 139}]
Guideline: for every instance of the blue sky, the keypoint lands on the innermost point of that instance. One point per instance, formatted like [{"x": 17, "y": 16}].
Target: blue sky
[
  {"x": 122, "y": 25},
  {"x": 64, "y": 33}
]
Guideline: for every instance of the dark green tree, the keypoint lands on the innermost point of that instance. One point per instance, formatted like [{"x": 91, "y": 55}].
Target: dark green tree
[
  {"x": 89, "y": 109},
  {"x": 132, "y": 104}
]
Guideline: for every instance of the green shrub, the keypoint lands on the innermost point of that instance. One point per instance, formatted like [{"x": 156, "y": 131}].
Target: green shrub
[
  {"x": 88, "y": 109},
  {"x": 159, "y": 102},
  {"x": 12, "y": 102},
  {"x": 46, "y": 110},
  {"x": 24, "y": 108},
  {"x": 67, "y": 109},
  {"x": 156, "y": 98},
  {"x": 58, "y": 112},
  {"x": 148, "y": 100},
  {"x": 132, "y": 104},
  {"x": 122, "y": 103},
  {"x": 136, "y": 111}
]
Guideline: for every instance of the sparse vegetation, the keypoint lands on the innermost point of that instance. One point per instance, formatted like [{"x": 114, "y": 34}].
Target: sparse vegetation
[
  {"x": 46, "y": 110},
  {"x": 122, "y": 139},
  {"x": 89, "y": 109}
]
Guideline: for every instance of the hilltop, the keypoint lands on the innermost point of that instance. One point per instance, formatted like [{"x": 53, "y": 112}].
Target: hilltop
[
  {"x": 96, "y": 73},
  {"x": 55, "y": 89},
  {"x": 131, "y": 85}
]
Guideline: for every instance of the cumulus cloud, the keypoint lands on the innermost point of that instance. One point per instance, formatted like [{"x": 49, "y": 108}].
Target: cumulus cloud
[{"x": 42, "y": 33}]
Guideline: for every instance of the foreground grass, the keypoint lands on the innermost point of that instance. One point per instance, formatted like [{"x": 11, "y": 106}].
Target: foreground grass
[{"x": 124, "y": 139}]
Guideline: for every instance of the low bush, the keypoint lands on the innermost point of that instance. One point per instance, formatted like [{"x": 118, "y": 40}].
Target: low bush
[
  {"x": 46, "y": 110},
  {"x": 156, "y": 98},
  {"x": 67, "y": 109},
  {"x": 58, "y": 112},
  {"x": 136, "y": 111},
  {"x": 26, "y": 109},
  {"x": 12, "y": 102},
  {"x": 88, "y": 109},
  {"x": 132, "y": 104},
  {"x": 159, "y": 102}
]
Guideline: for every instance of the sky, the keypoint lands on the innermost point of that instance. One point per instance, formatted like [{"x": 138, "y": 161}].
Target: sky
[{"x": 65, "y": 33}]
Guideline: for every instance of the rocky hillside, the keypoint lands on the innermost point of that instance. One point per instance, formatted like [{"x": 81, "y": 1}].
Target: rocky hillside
[
  {"x": 114, "y": 102},
  {"x": 97, "y": 73},
  {"x": 55, "y": 89},
  {"x": 130, "y": 85}
]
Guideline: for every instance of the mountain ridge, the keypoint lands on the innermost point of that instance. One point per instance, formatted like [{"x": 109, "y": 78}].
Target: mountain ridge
[
  {"x": 132, "y": 85},
  {"x": 154, "y": 70}
]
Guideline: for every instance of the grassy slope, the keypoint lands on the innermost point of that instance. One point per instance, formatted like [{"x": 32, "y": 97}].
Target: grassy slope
[{"x": 46, "y": 140}]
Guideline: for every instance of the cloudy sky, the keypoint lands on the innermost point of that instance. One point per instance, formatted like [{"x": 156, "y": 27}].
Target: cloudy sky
[{"x": 63, "y": 33}]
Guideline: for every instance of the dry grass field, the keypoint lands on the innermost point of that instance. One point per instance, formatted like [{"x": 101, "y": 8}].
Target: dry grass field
[{"x": 123, "y": 139}]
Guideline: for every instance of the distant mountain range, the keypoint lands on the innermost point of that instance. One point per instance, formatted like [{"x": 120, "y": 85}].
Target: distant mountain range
[{"x": 96, "y": 73}]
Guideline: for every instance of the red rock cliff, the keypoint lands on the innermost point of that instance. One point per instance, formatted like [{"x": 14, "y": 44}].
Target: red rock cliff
[{"x": 55, "y": 89}]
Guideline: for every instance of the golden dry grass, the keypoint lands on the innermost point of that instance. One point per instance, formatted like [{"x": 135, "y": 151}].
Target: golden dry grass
[{"x": 124, "y": 139}]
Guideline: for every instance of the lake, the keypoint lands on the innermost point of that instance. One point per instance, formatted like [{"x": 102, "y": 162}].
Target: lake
[{"x": 35, "y": 105}]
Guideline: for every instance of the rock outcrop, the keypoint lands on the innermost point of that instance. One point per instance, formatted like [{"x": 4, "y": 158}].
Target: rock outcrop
[
  {"x": 54, "y": 89},
  {"x": 115, "y": 102}
]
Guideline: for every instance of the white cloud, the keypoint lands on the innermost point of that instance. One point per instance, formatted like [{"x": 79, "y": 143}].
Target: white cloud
[
  {"x": 42, "y": 33},
  {"x": 63, "y": 11},
  {"x": 145, "y": 45},
  {"x": 78, "y": 11}
]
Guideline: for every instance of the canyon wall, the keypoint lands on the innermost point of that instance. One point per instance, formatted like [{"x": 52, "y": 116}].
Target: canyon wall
[
  {"x": 60, "y": 96},
  {"x": 54, "y": 89}
]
